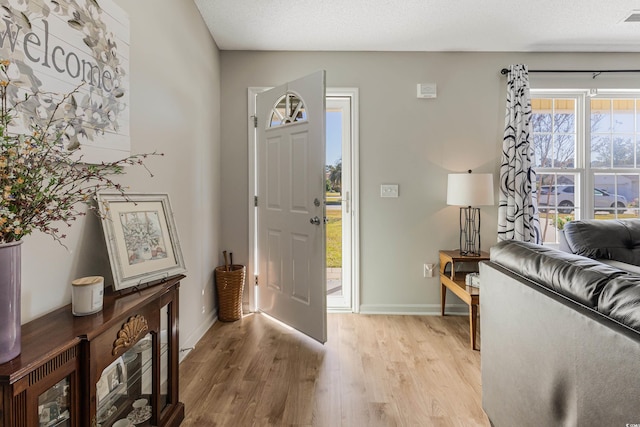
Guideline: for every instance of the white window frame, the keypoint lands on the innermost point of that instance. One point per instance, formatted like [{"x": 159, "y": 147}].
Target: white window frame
[
  {"x": 582, "y": 167},
  {"x": 580, "y": 159}
]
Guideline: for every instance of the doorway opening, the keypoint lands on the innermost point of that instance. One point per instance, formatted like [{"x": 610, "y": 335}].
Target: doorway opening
[{"x": 342, "y": 207}]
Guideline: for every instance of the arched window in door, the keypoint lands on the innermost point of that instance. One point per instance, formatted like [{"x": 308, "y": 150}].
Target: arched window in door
[{"x": 289, "y": 109}]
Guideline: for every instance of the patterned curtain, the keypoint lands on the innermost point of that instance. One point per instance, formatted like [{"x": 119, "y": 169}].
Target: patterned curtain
[{"x": 517, "y": 207}]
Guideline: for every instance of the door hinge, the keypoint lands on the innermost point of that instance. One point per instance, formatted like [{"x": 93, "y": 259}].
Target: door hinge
[
  {"x": 255, "y": 201},
  {"x": 256, "y": 280},
  {"x": 255, "y": 121}
]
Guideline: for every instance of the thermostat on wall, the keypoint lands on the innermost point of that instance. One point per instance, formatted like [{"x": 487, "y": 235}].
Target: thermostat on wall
[{"x": 427, "y": 90}]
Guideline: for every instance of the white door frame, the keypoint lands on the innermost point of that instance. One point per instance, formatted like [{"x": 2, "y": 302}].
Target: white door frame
[{"x": 355, "y": 202}]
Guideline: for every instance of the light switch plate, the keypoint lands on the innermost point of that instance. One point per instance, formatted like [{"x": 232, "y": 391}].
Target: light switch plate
[{"x": 389, "y": 190}]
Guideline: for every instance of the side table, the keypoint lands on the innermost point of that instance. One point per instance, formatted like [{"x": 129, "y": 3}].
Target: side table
[{"x": 457, "y": 285}]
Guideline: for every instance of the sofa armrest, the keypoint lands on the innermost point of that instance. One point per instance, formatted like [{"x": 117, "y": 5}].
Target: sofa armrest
[{"x": 547, "y": 361}]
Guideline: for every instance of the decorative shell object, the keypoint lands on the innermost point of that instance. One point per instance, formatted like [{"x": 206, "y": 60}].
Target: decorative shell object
[{"x": 130, "y": 332}]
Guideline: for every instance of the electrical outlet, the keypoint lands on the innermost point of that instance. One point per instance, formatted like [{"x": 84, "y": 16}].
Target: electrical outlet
[{"x": 429, "y": 270}]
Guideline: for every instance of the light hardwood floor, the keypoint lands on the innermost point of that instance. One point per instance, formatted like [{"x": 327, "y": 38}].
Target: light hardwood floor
[{"x": 373, "y": 371}]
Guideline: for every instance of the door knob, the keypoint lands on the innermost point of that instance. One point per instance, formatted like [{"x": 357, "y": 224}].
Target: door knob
[{"x": 315, "y": 220}]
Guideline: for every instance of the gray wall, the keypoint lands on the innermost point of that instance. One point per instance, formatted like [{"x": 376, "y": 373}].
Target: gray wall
[
  {"x": 412, "y": 142},
  {"x": 189, "y": 101},
  {"x": 175, "y": 85}
]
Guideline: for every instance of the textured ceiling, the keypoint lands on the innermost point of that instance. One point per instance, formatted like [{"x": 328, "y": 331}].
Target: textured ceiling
[{"x": 423, "y": 25}]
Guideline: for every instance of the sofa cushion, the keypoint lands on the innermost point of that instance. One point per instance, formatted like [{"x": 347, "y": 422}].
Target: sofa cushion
[
  {"x": 616, "y": 239},
  {"x": 620, "y": 300},
  {"x": 574, "y": 276}
]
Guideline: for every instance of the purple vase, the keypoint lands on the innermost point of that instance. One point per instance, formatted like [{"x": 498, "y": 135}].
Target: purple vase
[{"x": 10, "y": 256}]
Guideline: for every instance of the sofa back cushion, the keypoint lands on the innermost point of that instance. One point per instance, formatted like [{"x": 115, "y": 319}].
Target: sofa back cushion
[
  {"x": 615, "y": 239},
  {"x": 579, "y": 278},
  {"x": 620, "y": 300}
]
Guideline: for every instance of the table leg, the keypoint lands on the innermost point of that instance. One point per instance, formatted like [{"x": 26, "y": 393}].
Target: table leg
[
  {"x": 473, "y": 324},
  {"x": 443, "y": 297}
]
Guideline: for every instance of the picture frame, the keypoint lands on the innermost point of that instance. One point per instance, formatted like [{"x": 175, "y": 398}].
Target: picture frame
[
  {"x": 141, "y": 237},
  {"x": 112, "y": 382}
]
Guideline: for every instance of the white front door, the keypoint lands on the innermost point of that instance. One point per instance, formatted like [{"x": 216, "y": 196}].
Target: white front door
[{"x": 290, "y": 153}]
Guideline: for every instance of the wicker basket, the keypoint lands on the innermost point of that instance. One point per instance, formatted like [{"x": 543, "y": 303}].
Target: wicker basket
[{"x": 229, "y": 285}]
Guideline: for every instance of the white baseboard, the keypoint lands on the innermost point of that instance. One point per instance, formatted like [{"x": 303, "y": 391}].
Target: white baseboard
[
  {"x": 339, "y": 310},
  {"x": 193, "y": 338},
  {"x": 414, "y": 309}
]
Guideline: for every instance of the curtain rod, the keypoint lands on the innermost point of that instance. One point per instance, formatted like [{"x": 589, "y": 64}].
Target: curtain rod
[{"x": 595, "y": 73}]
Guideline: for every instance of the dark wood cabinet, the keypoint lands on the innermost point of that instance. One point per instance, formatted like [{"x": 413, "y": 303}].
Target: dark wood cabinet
[
  {"x": 95, "y": 370},
  {"x": 43, "y": 393}
]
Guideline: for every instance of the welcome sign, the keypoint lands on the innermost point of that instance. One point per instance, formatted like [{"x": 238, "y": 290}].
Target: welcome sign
[{"x": 57, "y": 47}]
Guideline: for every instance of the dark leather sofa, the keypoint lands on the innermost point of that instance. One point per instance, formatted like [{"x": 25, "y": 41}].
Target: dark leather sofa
[{"x": 561, "y": 331}]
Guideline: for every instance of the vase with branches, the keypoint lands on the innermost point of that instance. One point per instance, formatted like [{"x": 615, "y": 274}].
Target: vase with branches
[{"x": 43, "y": 183}]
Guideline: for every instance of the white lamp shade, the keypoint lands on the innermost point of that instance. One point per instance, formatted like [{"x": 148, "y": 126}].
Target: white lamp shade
[{"x": 470, "y": 189}]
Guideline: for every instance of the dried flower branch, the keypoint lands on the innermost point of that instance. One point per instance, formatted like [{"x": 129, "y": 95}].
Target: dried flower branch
[{"x": 42, "y": 182}]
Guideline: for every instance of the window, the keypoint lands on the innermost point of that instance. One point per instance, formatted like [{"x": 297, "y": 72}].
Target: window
[
  {"x": 288, "y": 109},
  {"x": 587, "y": 156}
]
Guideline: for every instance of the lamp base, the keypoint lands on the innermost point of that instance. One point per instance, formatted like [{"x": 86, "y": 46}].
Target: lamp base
[{"x": 470, "y": 231}]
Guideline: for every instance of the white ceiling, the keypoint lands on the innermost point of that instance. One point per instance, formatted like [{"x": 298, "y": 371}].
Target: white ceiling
[{"x": 423, "y": 25}]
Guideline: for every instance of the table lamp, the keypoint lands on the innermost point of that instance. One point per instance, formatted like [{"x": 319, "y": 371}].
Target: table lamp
[{"x": 468, "y": 190}]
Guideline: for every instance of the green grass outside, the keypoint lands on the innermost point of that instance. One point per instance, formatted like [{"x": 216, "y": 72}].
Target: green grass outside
[
  {"x": 570, "y": 217},
  {"x": 334, "y": 238},
  {"x": 612, "y": 216},
  {"x": 562, "y": 219}
]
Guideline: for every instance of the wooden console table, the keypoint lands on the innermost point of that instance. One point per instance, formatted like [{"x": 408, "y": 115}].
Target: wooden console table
[
  {"x": 133, "y": 341},
  {"x": 457, "y": 285}
]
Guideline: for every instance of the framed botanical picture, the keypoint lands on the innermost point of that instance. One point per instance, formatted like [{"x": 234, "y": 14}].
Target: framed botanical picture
[{"x": 142, "y": 239}]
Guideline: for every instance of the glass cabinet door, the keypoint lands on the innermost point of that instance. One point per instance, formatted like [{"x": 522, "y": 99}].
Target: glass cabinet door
[
  {"x": 125, "y": 387},
  {"x": 165, "y": 336},
  {"x": 54, "y": 405}
]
